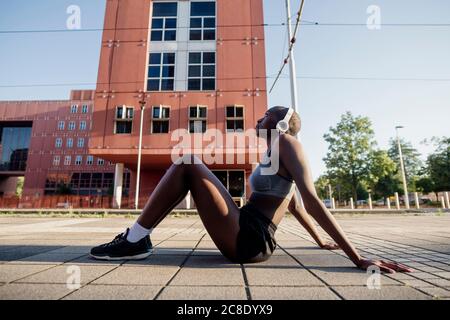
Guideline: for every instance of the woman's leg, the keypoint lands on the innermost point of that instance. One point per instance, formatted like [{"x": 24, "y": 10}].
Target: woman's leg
[{"x": 216, "y": 208}]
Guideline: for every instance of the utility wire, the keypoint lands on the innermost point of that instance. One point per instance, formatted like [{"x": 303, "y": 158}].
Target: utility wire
[
  {"x": 37, "y": 85},
  {"x": 291, "y": 46},
  {"x": 305, "y": 23}
]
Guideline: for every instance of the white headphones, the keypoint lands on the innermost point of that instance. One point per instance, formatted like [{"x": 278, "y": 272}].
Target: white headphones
[{"x": 283, "y": 125}]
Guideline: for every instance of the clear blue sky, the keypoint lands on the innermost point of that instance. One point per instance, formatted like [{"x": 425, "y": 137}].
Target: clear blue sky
[{"x": 423, "y": 107}]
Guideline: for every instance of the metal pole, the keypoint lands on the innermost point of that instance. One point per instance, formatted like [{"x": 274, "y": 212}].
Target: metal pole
[
  {"x": 138, "y": 174},
  {"x": 292, "y": 66},
  {"x": 402, "y": 166}
]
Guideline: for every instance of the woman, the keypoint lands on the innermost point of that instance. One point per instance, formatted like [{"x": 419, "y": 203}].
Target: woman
[{"x": 242, "y": 235}]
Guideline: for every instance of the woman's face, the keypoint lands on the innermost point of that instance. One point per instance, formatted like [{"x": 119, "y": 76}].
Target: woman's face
[{"x": 267, "y": 122}]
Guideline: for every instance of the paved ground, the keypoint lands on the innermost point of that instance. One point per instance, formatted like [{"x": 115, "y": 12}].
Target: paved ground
[{"x": 40, "y": 259}]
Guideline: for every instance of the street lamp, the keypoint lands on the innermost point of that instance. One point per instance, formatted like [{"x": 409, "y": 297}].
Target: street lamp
[
  {"x": 142, "y": 103},
  {"x": 402, "y": 167}
]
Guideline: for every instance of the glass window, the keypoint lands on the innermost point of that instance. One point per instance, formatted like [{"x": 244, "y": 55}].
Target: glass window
[
  {"x": 80, "y": 143},
  {"x": 90, "y": 160},
  {"x": 72, "y": 125},
  {"x": 161, "y": 72},
  {"x": 74, "y": 108},
  {"x": 165, "y": 9},
  {"x": 160, "y": 119},
  {"x": 235, "y": 118},
  {"x": 100, "y": 162},
  {"x": 67, "y": 160},
  {"x": 58, "y": 143},
  {"x": 197, "y": 119},
  {"x": 203, "y": 21},
  {"x": 202, "y": 71},
  {"x": 61, "y": 125},
  {"x": 203, "y": 8},
  {"x": 56, "y": 160},
  {"x": 82, "y": 125},
  {"x": 69, "y": 143},
  {"x": 78, "y": 160},
  {"x": 84, "y": 109},
  {"x": 164, "y": 22}
]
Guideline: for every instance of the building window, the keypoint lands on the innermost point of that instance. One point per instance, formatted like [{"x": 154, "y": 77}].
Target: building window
[
  {"x": 235, "y": 118},
  {"x": 124, "y": 120},
  {"x": 203, "y": 21},
  {"x": 164, "y": 21},
  {"x": 78, "y": 160},
  {"x": 58, "y": 143},
  {"x": 80, "y": 143},
  {"x": 56, "y": 160},
  {"x": 90, "y": 160},
  {"x": 61, "y": 125},
  {"x": 82, "y": 125},
  {"x": 160, "y": 119},
  {"x": 202, "y": 71},
  {"x": 74, "y": 108},
  {"x": 69, "y": 143},
  {"x": 233, "y": 180},
  {"x": 161, "y": 72},
  {"x": 67, "y": 160},
  {"x": 197, "y": 119},
  {"x": 84, "y": 108},
  {"x": 72, "y": 125},
  {"x": 100, "y": 162}
]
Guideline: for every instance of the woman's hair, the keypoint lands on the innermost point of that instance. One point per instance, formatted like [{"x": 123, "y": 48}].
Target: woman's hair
[{"x": 294, "y": 123}]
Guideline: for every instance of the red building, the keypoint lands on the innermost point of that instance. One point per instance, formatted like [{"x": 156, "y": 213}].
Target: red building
[
  {"x": 46, "y": 142},
  {"x": 198, "y": 65}
]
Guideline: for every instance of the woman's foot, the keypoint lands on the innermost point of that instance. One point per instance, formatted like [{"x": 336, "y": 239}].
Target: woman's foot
[{"x": 121, "y": 249}]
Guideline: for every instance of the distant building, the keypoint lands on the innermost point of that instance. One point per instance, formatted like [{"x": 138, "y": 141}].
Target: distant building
[{"x": 46, "y": 142}]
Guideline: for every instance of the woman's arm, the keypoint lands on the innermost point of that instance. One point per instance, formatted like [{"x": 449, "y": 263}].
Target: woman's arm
[
  {"x": 293, "y": 158},
  {"x": 299, "y": 212}
]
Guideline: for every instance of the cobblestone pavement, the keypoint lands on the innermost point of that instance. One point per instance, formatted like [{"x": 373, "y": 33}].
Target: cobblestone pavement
[{"x": 41, "y": 258}]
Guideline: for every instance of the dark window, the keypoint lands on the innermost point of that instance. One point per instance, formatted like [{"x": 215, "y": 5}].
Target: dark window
[
  {"x": 199, "y": 9},
  {"x": 123, "y": 127},
  {"x": 165, "y": 9}
]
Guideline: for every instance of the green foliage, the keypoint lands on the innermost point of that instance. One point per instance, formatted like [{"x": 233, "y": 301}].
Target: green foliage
[
  {"x": 350, "y": 149},
  {"x": 411, "y": 161},
  {"x": 438, "y": 164},
  {"x": 19, "y": 186}
]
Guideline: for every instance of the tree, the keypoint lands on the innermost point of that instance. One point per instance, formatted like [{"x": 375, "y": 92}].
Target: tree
[
  {"x": 382, "y": 180},
  {"x": 351, "y": 144},
  {"x": 19, "y": 186},
  {"x": 411, "y": 161},
  {"x": 438, "y": 165},
  {"x": 321, "y": 185}
]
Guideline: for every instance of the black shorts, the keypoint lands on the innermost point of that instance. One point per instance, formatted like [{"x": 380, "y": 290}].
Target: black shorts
[{"x": 256, "y": 241}]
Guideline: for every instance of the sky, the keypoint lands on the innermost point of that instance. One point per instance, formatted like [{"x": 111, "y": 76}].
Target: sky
[{"x": 397, "y": 75}]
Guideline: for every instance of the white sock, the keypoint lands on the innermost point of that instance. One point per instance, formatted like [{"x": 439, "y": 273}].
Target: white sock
[{"x": 137, "y": 232}]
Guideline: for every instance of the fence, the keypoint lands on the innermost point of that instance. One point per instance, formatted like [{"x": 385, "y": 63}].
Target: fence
[{"x": 67, "y": 201}]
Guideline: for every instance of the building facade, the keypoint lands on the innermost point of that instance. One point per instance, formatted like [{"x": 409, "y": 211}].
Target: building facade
[
  {"x": 46, "y": 142},
  {"x": 192, "y": 65}
]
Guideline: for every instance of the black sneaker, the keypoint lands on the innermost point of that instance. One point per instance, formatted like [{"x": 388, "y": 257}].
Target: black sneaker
[{"x": 121, "y": 249}]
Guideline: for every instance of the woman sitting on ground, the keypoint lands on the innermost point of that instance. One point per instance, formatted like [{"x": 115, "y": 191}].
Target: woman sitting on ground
[{"x": 243, "y": 235}]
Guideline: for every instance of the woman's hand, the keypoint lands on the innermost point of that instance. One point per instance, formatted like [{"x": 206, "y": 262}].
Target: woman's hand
[
  {"x": 330, "y": 246},
  {"x": 385, "y": 266}
]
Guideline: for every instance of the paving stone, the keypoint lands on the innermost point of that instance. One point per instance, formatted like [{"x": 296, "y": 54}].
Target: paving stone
[
  {"x": 346, "y": 276},
  {"x": 281, "y": 276},
  {"x": 157, "y": 260},
  {"x": 324, "y": 260},
  {"x": 150, "y": 275},
  {"x": 114, "y": 292},
  {"x": 15, "y": 291},
  {"x": 9, "y": 273},
  {"x": 292, "y": 293},
  {"x": 437, "y": 292},
  {"x": 203, "y": 293},
  {"x": 61, "y": 274},
  {"x": 47, "y": 258},
  {"x": 214, "y": 276},
  {"x": 385, "y": 293}
]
